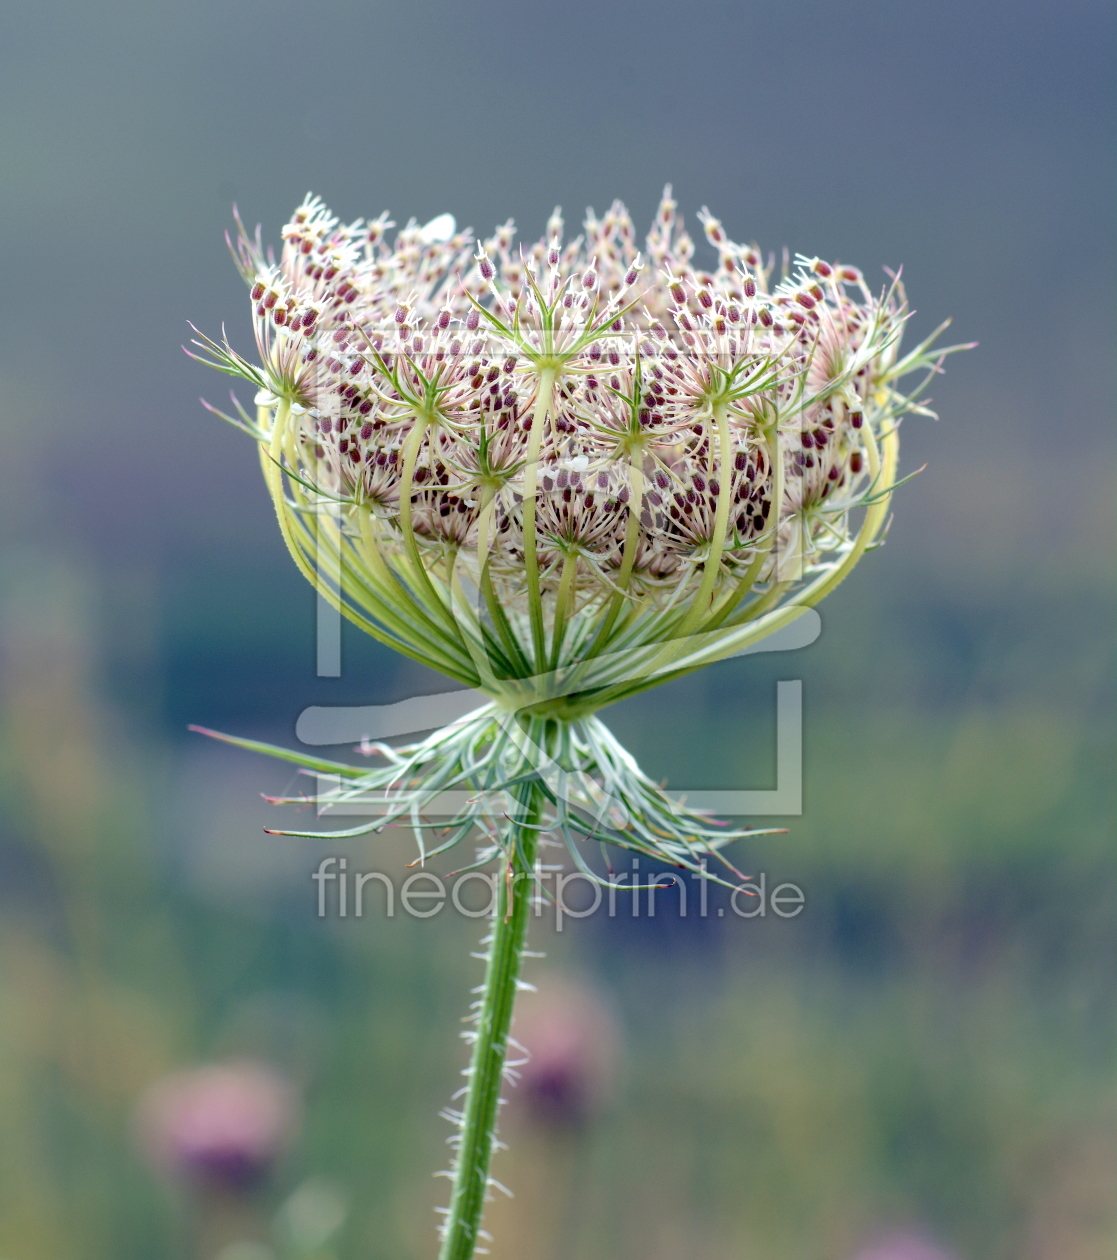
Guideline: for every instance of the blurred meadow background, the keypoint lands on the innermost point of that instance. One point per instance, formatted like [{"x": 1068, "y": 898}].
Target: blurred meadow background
[{"x": 920, "y": 1066}]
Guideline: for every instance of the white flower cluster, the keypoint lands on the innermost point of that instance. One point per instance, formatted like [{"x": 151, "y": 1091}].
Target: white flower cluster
[{"x": 594, "y": 437}]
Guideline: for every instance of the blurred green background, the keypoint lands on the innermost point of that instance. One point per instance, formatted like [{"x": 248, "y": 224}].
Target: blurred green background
[{"x": 927, "y": 1052}]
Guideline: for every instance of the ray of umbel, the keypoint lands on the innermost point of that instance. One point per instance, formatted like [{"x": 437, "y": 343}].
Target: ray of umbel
[{"x": 561, "y": 473}]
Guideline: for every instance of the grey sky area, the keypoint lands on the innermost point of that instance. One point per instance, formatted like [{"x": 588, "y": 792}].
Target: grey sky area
[{"x": 967, "y": 143}]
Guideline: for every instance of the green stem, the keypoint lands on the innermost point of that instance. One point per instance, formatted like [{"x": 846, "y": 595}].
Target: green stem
[
  {"x": 732, "y": 602},
  {"x": 486, "y": 1071},
  {"x": 422, "y": 581},
  {"x": 563, "y": 603},
  {"x": 628, "y": 560},
  {"x": 710, "y": 573},
  {"x": 531, "y": 475}
]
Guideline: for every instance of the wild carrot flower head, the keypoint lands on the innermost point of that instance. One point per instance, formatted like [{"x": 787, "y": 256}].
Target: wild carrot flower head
[
  {"x": 562, "y": 472},
  {"x": 510, "y": 461}
]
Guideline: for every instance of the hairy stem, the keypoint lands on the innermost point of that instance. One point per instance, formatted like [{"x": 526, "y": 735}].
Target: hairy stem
[{"x": 494, "y": 1018}]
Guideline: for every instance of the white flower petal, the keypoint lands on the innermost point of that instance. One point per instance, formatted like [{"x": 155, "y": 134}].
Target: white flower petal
[{"x": 438, "y": 229}]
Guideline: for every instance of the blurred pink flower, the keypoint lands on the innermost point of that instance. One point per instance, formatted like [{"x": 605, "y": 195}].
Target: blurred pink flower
[
  {"x": 222, "y": 1125},
  {"x": 904, "y": 1246},
  {"x": 572, "y": 1040}
]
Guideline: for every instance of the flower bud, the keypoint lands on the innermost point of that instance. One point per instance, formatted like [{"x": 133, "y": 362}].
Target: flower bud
[{"x": 715, "y": 233}]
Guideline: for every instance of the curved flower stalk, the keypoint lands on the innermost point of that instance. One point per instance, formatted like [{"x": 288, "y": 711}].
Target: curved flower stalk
[{"x": 561, "y": 474}]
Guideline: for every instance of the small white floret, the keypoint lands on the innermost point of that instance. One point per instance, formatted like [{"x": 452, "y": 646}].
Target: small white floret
[{"x": 438, "y": 229}]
